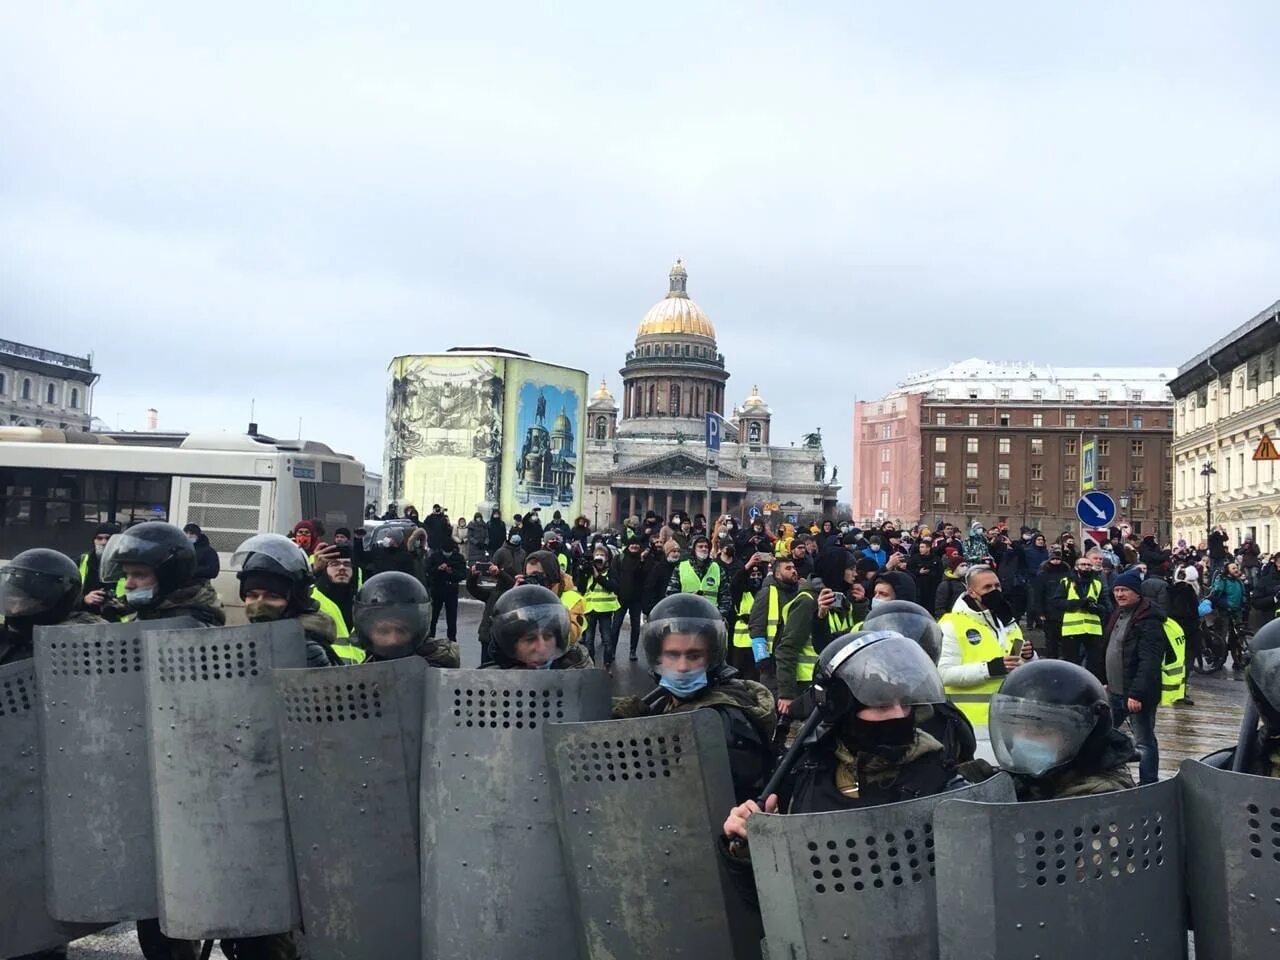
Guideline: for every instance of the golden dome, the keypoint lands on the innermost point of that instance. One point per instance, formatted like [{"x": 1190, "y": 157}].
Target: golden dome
[
  {"x": 677, "y": 314},
  {"x": 603, "y": 393},
  {"x": 602, "y": 399},
  {"x": 755, "y": 401}
]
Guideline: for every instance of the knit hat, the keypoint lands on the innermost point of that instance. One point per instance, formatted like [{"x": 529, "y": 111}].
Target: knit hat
[
  {"x": 276, "y": 583},
  {"x": 1131, "y": 578}
]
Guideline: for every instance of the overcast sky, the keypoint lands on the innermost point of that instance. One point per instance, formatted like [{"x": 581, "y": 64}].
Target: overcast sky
[{"x": 272, "y": 200}]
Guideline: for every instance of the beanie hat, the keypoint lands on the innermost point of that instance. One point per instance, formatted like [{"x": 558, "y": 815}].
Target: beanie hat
[
  {"x": 849, "y": 539},
  {"x": 955, "y": 560},
  {"x": 1131, "y": 578},
  {"x": 276, "y": 583},
  {"x": 108, "y": 529},
  {"x": 865, "y": 565}
]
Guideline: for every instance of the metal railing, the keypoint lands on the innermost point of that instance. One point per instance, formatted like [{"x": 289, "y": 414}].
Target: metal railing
[{"x": 47, "y": 356}]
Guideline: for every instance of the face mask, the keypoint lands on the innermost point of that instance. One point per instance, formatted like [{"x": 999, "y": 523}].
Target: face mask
[
  {"x": 1031, "y": 757},
  {"x": 262, "y": 612},
  {"x": 890, "y": 738},
  {"x": 993, "y": 600},
  {"x": 515, "y": 541},
  {"x": 878, "y": 601},
  {"x": 98, "y": 548},
  {"x": 684, "y": 685},
  {"x": 875, "y": 544},
  {"x": 191, "y": 539},
  {"x": 549, "y": 664},
  {"x": 141, "y": 597},
  {"x": 701, "y": 554},
  {"x": 1026, "y": 536},
  {"x": 962, "y": 572},
  {"x": 537, "y": 579}
]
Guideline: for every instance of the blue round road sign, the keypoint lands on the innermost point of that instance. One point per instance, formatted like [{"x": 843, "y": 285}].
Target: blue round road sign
[
  {"x": 753, "y": 512},
  {"x": 1096, "y": 509}
]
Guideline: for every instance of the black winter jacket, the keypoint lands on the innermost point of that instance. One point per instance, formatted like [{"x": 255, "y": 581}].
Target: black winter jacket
[{"x": 1143, "y": 651}]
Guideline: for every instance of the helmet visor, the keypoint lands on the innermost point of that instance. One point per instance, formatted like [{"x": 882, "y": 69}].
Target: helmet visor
[
  {"x": 710, "y": 631},
  {"x": 535, "y": 635},
  {"x": 125, "y": 548},
  {"x": 1264, "y": 675},
  {"x": 893, "y": 671},
  {"x": 1031, "y": 738},
  {"x": 392, "y": 630},
  {"x": 920, "y": 627},
  {"x": 26, "y": 593},
  {"x": 273, "y": 546}
]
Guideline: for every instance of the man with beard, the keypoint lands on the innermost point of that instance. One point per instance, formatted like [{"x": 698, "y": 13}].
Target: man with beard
[
  {"x": 1083, "y": 608},
  {"x": 925, "y": 567},
  {"x": 1047, "y": 582}
]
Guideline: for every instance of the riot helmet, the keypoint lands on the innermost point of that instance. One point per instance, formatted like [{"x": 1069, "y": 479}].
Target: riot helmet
[
  {"x": 1262, "y": 675},
  {"x": 910, "y": 620},
  {"x": 39, "y": 587},
  {"x": 1043, "y": 715},
  {"x": 275, "y": 564},
  {"x": 392, "y": 614},
  {"x": 155, "y": 544},
  {"x": 875, "y": 668},
  {"x": 530, "y": 626},
  {"x": 687, "y": 616}
]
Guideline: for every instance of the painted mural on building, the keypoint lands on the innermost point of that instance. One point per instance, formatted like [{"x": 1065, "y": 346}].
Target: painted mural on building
[{"x": 545, "y": 413}]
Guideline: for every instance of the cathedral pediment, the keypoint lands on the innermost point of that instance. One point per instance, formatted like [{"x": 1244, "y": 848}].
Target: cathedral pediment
[{"x": 675, "y": 466}]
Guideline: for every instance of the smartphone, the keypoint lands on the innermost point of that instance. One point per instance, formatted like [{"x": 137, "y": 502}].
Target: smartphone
[{"x": 838, "y": 602}]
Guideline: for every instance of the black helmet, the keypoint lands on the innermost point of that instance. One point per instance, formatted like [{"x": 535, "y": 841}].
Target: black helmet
[
  {"x": 1043, "y": 715},
  {"x": 910, "y": 620},
  {"x": 874, "y": 668},
  {"x": 686, "y": 613},
  {"x": 392, "y": 614},
  {"x": 1262, "y": 675},
  {"x": 525, "y": 613},
  {"x": 273, "y": 562},
  {"x": 39, "y": 587},
  {"x": 155, "y": 544}
]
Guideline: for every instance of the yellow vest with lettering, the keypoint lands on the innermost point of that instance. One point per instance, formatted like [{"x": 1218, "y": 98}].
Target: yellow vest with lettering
[
  {"x": 1173, "y": 669},
  {"x": 707, "y": 586},
  {"x": 979, "y": 643},
  {"x": 1081, "y": 623}
]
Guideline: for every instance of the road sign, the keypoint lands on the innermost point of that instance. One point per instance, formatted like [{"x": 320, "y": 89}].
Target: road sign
[
  {"x": 1096, "y": 509},
  {"x": 713, "y": 476},
  {"x": 713, "y": 432},
  {"x": 772, "y": 506},
  {"x": 1266, "y": 449},
  {"x": 1088, "y": 465},
  {"x": 753, "y": 512},
  {"x": 792, "y": 518}
]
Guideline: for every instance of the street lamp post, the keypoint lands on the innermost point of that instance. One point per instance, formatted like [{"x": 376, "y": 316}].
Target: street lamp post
[{"x": 1207, "y": 471}]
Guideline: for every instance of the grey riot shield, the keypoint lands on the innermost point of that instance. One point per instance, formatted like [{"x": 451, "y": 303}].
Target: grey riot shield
[
  {"x": 853, "y": 883},
  {"x": 352, "y": 745},
  {"x": 222, "y": 841},
  {"x": 640, "y": 804},
  {"x": 1062, "y": 878},
  {"x": 25, "y": 925},
  {"x": 99, "y": 844},
  {"x": 493, "y": 881},
  {"x": 1231, "y": 822}
]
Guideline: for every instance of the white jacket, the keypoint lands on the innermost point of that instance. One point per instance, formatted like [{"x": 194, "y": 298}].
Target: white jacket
[{"x": 955, "y": 672}]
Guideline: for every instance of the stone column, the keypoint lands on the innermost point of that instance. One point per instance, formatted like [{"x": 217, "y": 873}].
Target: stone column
[
  {"x": 631, "y": 503},
  {"x": 668, "y": 513},
  {"x": 614, "y": 519}
]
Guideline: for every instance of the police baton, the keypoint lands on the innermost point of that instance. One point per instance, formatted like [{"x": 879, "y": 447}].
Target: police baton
[{"x": 789, "y": 758}]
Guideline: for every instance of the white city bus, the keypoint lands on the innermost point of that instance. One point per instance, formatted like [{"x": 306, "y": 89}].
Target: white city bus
[{"x": 56, "y": 488}]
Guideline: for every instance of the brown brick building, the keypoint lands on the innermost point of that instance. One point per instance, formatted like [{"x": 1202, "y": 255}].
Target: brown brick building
[{"x": 988, "y": 441}]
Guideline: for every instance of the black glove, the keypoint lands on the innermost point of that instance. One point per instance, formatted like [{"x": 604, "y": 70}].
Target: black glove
[
  {"x": 1075, "y": 605},
  {"x": 996, "y": 667}
]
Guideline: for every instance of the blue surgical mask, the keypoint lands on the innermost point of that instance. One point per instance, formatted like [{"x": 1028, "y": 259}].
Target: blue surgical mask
[
  {"x": 192, "y": 538},
  {"x": 684, "y": 685},
  {"x": 877, "y": 601},
  {"x": 141, "y": 597},
  {"x": 515, "y": 540},
  {"x": 1032, "y": 758},
  {"x": 548, "y": 665}
]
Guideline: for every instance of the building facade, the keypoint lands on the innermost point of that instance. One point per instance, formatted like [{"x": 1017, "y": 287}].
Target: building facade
[
  {"x": 1002, "y": 441},
  {"x": 44, "y": 388},
  {"x": 650, "y": 452},
  {"x": 1226, "y": 399}
]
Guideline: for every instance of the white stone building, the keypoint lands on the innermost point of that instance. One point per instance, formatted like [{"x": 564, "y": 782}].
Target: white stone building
[{"x": 44, "y": 388}]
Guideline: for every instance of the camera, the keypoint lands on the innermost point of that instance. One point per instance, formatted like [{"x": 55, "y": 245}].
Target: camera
[{"x": 838, "y": 602}]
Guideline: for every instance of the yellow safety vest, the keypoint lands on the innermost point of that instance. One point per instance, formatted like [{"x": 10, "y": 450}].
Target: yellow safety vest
[
  {"x": 84, "y": 572},
  {"x": 808, "y": 655},
  {"x": 1081, "y": 623},
  {"x": 598, "y": 599},
  {"x": 330, "y": 610},
  {"x": 979, "y": 643},
  {"x": 1173, "y": 670},
  {"x": 577, "y": 607},
  {"x": 708, "y": 586},
  {"x": 742, "y": 626}
]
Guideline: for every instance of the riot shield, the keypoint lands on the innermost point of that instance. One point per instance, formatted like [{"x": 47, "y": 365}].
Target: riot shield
[
  {"x": 1062, "y": 878},
  {"x": 25, "y": 924},
  {"x": 222, "y": 841},
  {"x": 1231, "y": 822},
  {"x": 99, "y": 842},
  {"x": 493, "y": 881},
  {"x": 854, "y": 883},
  {"x": 352, "y": 744},
  {"x": 640, "y": 805}
]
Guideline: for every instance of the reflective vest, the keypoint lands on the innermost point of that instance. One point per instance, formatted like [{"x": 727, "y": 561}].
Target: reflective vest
[
  {"x": 598, "y": 599},
  {"x": 839, "y": 623},
  {"x": 347, "y": 652},
  {"x": 1081, "y": 623},
  {"x": 979, "y": 643},
  {"x": 708, "y": 586},
  {"x": 566, "y": 564},
  {"x": 1173, "y": 670},
  {"x": 576, "y": 605},
  {"x": 84, "y": 572},
  {"x": 741, "y": 625}
]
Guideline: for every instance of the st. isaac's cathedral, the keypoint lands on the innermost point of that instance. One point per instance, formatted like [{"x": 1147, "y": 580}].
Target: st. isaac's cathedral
[{"x": 651, "y": 453}]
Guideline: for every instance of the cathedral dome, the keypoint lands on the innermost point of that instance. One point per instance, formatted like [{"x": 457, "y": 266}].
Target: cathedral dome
[
  {"x": 754, "y": 403},
  {"x": 676, "y": 314},
  {"x": 562, "y": 424},
  {"x": 602, "y": 399}
]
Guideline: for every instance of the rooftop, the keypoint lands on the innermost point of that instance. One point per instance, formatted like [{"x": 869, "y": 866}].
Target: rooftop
[
  {"x": 1253, "y": 336},
  {"x": 990, "y": 378},
  {"x": 46, "y": 356}
]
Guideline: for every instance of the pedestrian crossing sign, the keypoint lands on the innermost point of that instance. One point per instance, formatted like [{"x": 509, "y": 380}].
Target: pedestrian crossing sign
[{"x": 1266, "y": 449}]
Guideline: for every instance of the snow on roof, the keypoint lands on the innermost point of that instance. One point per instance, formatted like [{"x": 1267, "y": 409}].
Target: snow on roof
[{"x": 989, "y": 379}]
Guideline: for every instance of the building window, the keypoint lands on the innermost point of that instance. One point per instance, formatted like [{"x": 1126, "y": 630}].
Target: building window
[
  {"x": 1104, "y": 474},
  {"x": 1069, "y": 447},
  {"x": 886, "y": 432},
  {"x": 1037, "y": 471},
  {"x": 971, "y": 471},
  {"x": 970, "y": 444},
  {"x": 675, "y": 400},
  {"x": 1226, "y": 473},
  {"x": 1135, "y": 448},
  {"x": 1135, "y": 396},
  {"x": 1069, "y": 395},
  {"x": 26, "y": 388},
  {"x": 4, "y": 385},
  {"x": 884, "y": 455},
  {"x": 1135, "y": 475},
  {"x": 1005, "y": 444},
  {"x": 753, "y": 432},
  {"x": 973, "y": 419},
  {"x": 1104, "y": 419},
  {"x": 75, "y": 395},
  {"x": 1002, "y": 471},
  {"x": 940, "y": 419},
  {"x": 1005, "y": 393},
  {"x": 940, "y": 468},
  {"x": 971, "y": 497},
  {"x": 973, "y": 394},
  {"x": 1137, "y": 423},
  {"x": 1037, "y": 419},
  {"x": 1037, "y": 446},
  {"x": 939, "y": 444},
  {"x": 1002, "y": 498},
  {"x": 1037, "y": 394},
  {"x": 1068, "y": 419},
  {"x": 1139, "y": 500},
  {"x": 939, "y": 494},
  {"x": 884, "y": 476},
  {"x": 1069, "y": 472},
  {"x": 51, "y": 394},
  {"x": 1104, "y": 448},
  {"x": 1103, "y": 396},
  {"x": 1004, "y": 420},
  {"x": 1037, "y": 498},
  {"x": 602, "y": 428},
  {"x": 1069, "y": 498}
]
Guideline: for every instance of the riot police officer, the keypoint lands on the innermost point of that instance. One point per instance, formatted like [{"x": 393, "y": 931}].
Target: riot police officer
[
  {"x": 685, "y": 645},
  {"x": 1262, "y": 678},
  {"x": 158, "y": 565},
  {"x": 1051, "y": 730},
  {"x": 530, "y": 631},
  {"x": 392, "y": 615},
  {"x": 38, "y": 588}
]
